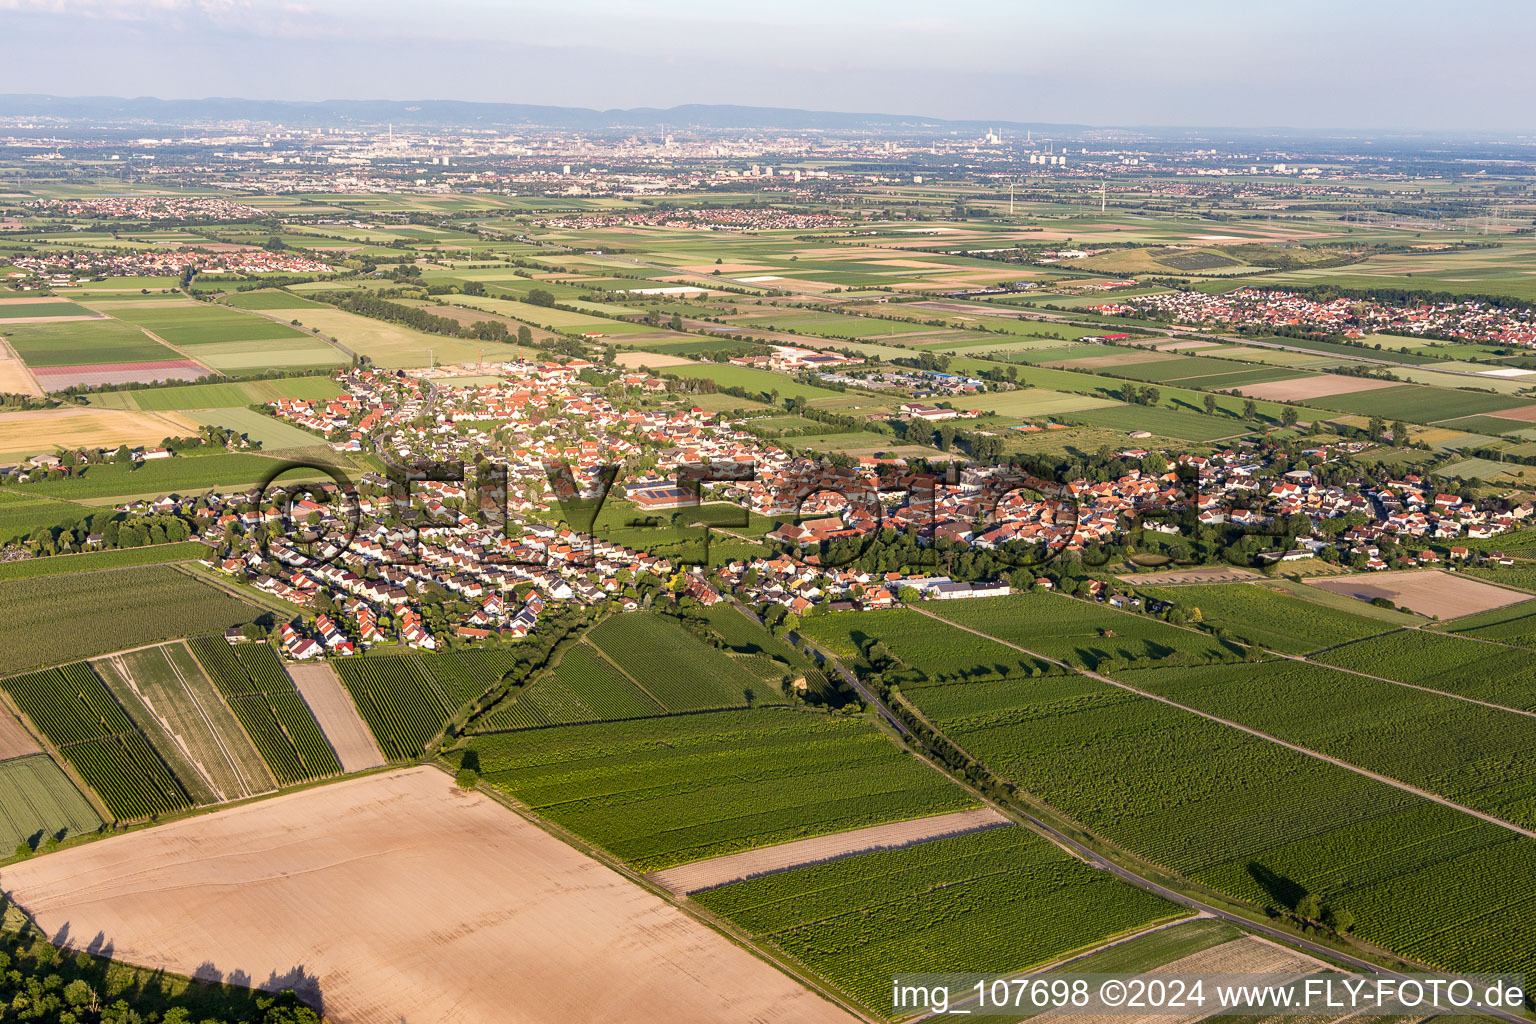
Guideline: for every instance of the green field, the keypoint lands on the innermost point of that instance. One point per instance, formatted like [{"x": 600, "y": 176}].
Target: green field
[
  {"x": 199, "y": 323},
  {"x": 176, "y": 692},
  {"x": 1485, "y": 671},
  {"x": 257, "y": 689},
  {"x": 56, "y": 619},
  {"x": 1083, "y": 634},
  {"x": 1251, "y": 818},
  {"x": 75, "y": 711},
  {"x": 38, "y": 802},
  {"x": 927, "y": 650},
  {"x": 1478, "y": 756},
  {"x": 84, "y": 343},
  {"x": 90, "y": 561},
  {"x": 754, "y": 381},
  {"x": 182, "y": 475},
  {"x": 675, "y": 669},
  {"x": 1256, "y": 614},
  {"x": 29, "y": 310},
  {"x": 997, "y": 901},
  {"x": 663, "y": 791}
]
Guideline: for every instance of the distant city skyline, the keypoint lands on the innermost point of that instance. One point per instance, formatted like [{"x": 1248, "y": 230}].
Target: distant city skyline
[{"x": 1311, "y": 65}]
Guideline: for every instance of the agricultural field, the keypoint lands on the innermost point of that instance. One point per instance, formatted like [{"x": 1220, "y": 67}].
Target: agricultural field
[
  {"x": 998, "y": 901},
  {"x": 925, "y": 650},
  {"x": 1476, "y": 758},
  {"x": 1250, "y": 818},
  {"x": 80, "y": 718},
  {"x": 257, "y": 689},
  {"x": 1435, "y": 594},
  {"x": 394, "y": 856},
  {"x": 190, "y": 716},
  {"x": 664, "y": 791},
  {"x": 194, "y": 474},
  {"x": 90, "y": 561},
  {"x": 1490, "y": 672},
  {"x": 337, "y": 716},
  {"x": 53, "y": 619},
  {"x": 584, "y": 687},
  {"x": 1081, "y": 633},
  {"x": 406, "y": 699},
  {"x": 38, "y": 802},
  {"x": 1256, "y": 614},
  {"x": 675, "y": 669}
]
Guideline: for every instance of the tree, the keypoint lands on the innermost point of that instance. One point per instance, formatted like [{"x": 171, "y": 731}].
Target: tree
[
  {"x": 1309, "y": 908},
  {"x": 1341, "y": 920},
  {"x": 539, "y": 297},
  {"x": 524, "y": 335},
  {"x": 467, "y": 778},
  {"x": 1288, "y": 416},
  {"x": 1210, "y": 405},
  {"x": 1399, "y": 433},
  {"x": 1377, "y": 428},
  {"x": 1250, "y": 410},
  {"x": 80, "y": 995}
]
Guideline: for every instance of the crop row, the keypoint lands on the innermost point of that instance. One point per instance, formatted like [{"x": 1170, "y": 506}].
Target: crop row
[
  {"x": 69, "y": 704},
  {"x": 260, "y": 663},
  {"x": 663, "y": 791},
  {"x": 403, "y": 707},
  {"x": 1259, "y": 615},
  {"x": 997, "y": 901},
  {"x": 916, "y": 649},
  {"x": 284, "y": 732},
  {"x": 1491, "y": 672},
  {"x": 584, "y": 688},
  {"x": 53, "y": 619},
  {"x": 127, "y": 775},
  {"x": 1479, "y": 756},
  {"x": 676, "y": 668},
  {"x": 232, "y": 670},
  {"x": 1081, "y": 633},
  {"x": 1249, "y": 817}
]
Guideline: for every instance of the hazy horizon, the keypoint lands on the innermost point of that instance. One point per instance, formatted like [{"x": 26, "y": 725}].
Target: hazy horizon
[{"x": 1198, "y": 64}]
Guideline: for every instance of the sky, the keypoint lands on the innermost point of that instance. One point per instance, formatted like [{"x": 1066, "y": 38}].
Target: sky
[{"x": 1312, "y": 64}]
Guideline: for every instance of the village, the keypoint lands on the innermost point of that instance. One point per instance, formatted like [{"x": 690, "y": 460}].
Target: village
[
  {"x": 494, "y": 511},
  {"x": 1253, "y": 308}
]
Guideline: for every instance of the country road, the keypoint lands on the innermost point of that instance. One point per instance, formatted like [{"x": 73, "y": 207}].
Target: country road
[{"x": 1090, "y": 856}]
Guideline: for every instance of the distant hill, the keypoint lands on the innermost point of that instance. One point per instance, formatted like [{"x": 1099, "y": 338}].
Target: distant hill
[{"x": 105, "y": 110}]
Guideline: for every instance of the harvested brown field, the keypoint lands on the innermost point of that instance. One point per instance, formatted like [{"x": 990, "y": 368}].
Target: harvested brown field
[
  {"x": 71, "y": 427},
  {"x": 736, "y": 867},
  {"x": 15, "y": 740},
  {"x": 1321, "y": 386},
  {"x": 1113, "y": 359},
  {"x": 15, "y": 378},
  {"x": 57, "y": 378},
  {"x": 1523, "y": 413},
  {"x": 338, "y": 717},
  {"x": 1184, "y": 346},
  {"x": 398, "y": 897},
  {"x": 655, "y": 360},
  {"x": 1196, "y": 574},
  {"x": 1430, "y": 592}
]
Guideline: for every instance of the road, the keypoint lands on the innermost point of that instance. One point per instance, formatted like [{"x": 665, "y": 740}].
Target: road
[
  {"x": 1150, "y": 695},
  {"x": 1125, "y": 874}
]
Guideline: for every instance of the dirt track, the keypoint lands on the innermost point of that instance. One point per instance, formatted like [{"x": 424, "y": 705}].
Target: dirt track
[
  {"x": 396, "y": 897},
  {"x": 735, "y": 867}
]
